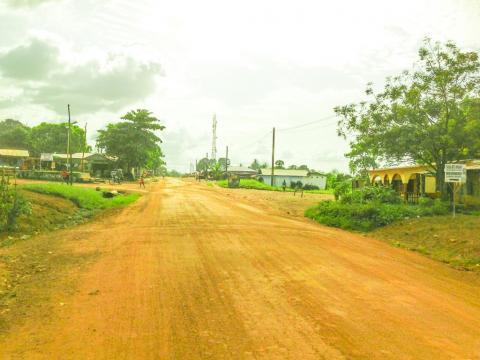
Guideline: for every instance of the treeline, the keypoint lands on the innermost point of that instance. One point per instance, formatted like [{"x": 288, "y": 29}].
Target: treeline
[
  {"x": 43, "y": 138},
  {"x": 133, "y": 141}
]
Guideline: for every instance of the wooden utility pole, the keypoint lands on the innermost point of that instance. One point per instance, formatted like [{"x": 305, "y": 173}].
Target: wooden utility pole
[
  {"x": 273, "y": 158},
  {"x": 69, "y": 154},
  {"x": 226, "y": 164},
  {"x": 84, "y": 148}
]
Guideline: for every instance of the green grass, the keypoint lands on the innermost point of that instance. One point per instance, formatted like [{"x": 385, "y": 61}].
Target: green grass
[
  {"x": 257, "y": 185},
  {"x": 455, "y": 241},
  {"x": 84, "y": 198},
  {"x": 371, "y": 215}
]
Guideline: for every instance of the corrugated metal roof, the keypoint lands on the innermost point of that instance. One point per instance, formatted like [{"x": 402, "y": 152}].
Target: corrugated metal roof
[
  {"x": 84, "y": 156},
  {"x": 14, "y": 152},
  {"x": 285, "y": 172},
  {"x": 241, "y": 169}
]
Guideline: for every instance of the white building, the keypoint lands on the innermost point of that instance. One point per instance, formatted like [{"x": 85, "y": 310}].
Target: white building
[{"x": 292, "y": 176}]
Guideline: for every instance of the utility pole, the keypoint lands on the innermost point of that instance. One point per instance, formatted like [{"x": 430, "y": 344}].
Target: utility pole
[
  {"x": 273, "y": 157},
  {"x": 226, "y": 164},
  {"x": 84, "y": 148},
  {"x": 69, "y": 154}
]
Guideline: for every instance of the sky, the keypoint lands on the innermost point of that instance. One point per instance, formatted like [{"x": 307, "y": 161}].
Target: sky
[{"x": 255, "y": 64}]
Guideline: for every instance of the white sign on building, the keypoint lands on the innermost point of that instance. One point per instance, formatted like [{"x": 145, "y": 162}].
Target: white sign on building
[
  {"x": 455, "y": 173},
  {"x": 46, "y": 157}
]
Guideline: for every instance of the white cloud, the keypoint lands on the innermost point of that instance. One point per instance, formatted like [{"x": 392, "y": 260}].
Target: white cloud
[{"x": 256, "y": 64}]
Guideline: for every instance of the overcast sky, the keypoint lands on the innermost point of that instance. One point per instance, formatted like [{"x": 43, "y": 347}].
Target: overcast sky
[{"x": 256, "y": 64}]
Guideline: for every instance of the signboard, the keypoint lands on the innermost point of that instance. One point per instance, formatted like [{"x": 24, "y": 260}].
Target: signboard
[
  {"x": 455, "y": 173},
  {"x": 46, "y": 157}
]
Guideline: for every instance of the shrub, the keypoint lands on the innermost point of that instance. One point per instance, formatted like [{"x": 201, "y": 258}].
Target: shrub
[
  {"x": 310, "y": 187},
  {"x": 370, "y": 215},
  {"x": 341, "y": 189},
  {"x": 296, "y": 184},
  {"x": 379, "y": 194},
  {"x": 12, "y": 205}
]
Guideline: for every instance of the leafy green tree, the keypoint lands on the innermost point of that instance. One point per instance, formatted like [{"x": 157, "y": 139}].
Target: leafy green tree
[
  {"x": 279, "y": 164},
  {"x": 52, "y": 138},
  {"x": 14, "y": 135},
  {"x": 255, "y": 165},
  {"x": 428, "y": 116},
  {"x": 303, "y": 167},
  {"x": 203, "y": 165},
  {"x": 133, "y": 141},
  {"x": 155, "y": 160},
  {"x": 293, "y": 167},
  {"x": 217, "y": 168}
]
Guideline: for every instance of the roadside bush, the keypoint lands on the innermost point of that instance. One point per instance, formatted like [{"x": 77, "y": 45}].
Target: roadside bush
[
  {"x": 12, "y": 205},
  {"x": 341, "y": 189},
  {"x": 370, "y": 215},
  {"x": 310, "y": 187},
  {"x": 379, "y": 194},
  {"x": 296, "y": 184}
]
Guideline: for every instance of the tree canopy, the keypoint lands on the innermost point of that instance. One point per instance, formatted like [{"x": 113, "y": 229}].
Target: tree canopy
[
  {"x": 52, "y": 138},
  {"x": 14, "y": 135},
  {"x": 43, "y": 138},
  {"x": 428, "y": 116},
  {"x": 133, "y": 141}
]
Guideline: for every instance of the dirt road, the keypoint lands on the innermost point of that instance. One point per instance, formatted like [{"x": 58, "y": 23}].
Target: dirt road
[{"x": 188, "y": 273}]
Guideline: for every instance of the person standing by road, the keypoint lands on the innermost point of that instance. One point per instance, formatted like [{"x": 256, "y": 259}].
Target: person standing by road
[
  {"x": 142, "y": 180},
  {"x": 65, "y": 176}
]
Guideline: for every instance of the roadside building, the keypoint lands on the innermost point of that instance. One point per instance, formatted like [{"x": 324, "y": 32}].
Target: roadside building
[
  {"x": 241, "y": 172},
  {"x": 97, "y": 165},
  {"x": 292, "y": 177},
  {"x": 412, "y": 181},
  {"x": 13, "y": 158}
]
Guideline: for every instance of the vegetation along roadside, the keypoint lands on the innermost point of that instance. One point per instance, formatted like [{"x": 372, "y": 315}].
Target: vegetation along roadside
[
  {"x": 426, "y": 227},
  {"x": 258, "y": 185}
]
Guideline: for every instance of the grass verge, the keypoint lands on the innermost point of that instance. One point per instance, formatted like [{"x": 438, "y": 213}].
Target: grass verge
[
  {"x": 455, "y": 241},
  {"x": 257, "y": 185},
  {"x": 368, "y": 216},
  {"x": 84, "y": 198}
]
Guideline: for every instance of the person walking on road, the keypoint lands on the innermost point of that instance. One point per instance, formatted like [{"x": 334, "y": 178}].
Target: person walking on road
[{"x": 142, "y": 181}]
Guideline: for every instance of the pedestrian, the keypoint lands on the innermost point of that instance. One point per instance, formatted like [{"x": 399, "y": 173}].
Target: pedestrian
[
  {"x": 284, "y": 185},
  {"x": 65, "y": 176},
  {"x": 142, "y": 181}
]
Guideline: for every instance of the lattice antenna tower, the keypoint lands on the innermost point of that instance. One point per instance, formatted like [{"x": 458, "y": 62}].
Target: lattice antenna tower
[{"x": 214, "y": 137}]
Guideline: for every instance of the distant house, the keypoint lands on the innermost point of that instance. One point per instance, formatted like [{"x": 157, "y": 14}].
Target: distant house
[
  {"x": 13, "y": 157},
  {"x": 292, "y": 176},
  {"x": 96, "y": 164},
  {"x": 242, "y": 172}
]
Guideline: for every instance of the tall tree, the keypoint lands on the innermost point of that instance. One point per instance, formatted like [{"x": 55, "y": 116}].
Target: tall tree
[
  {"x": 279, "y": 164},
  {"x": 133, "y": 141},
  {"x": 426, "y": 116},
  {"x": 52, "y": 138},
  {"x": 14, "y": 134}
]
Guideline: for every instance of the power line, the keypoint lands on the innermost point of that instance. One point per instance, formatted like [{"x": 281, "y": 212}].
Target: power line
[{"x": 308, "y": 123}]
